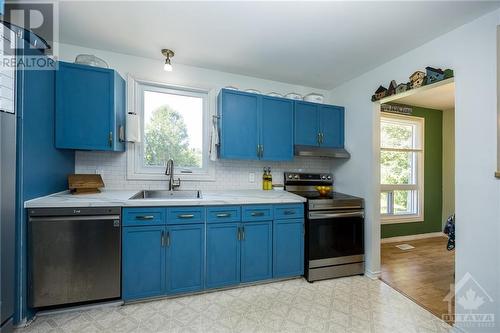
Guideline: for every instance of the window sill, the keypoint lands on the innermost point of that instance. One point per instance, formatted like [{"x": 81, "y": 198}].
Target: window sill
[
  {"x": 401, "y": 219},
  {"x": 162, "y": 177}
]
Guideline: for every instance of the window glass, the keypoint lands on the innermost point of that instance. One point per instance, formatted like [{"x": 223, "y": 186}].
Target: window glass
[
  {"x": 401, "y": 167},
  {"x": 173, "y": 129}
]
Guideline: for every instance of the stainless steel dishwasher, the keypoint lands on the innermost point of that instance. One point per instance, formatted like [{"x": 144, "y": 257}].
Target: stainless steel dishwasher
[{"x": 74, "y": 255}]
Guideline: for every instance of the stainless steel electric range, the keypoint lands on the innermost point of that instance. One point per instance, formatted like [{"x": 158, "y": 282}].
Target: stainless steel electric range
[{"x": 334, "y": 228}]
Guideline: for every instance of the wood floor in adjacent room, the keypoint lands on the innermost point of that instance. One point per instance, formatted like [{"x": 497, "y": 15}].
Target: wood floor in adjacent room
[{"x": 424, "y": 273}]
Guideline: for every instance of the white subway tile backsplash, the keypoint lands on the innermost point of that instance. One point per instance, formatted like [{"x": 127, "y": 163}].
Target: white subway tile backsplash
[{"x": 228, "y": 174}]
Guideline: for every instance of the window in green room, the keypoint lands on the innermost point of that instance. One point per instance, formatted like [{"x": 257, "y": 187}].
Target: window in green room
[{"x": 401, "y": 168}]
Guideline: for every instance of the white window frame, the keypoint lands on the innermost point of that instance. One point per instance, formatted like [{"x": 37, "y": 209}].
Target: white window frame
[
  {"x": 419, "y": 172},
  {"x": 136, "y": 170}
]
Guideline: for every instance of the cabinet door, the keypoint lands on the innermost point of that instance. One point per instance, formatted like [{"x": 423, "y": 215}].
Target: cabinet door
[
  {"x": 223, "y": 255},
  {"x": 306, "y": 124},
  {"x": 276, "y": 129},
  {"x": 143, "y": 262},
  {"x": 256, "y": 251},
  {"x": 239, "y": 127},
  {"x": 84, "y": 107},
  {"x": 288, "y": 248},
  {"x": 185, "y": 258},
  {"x": 332, "y": 126},
  {"x": 119, "y": 111}
]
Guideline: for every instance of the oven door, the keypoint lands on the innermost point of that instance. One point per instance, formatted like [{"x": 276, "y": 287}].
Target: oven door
[{"x": 335, "y": 237}]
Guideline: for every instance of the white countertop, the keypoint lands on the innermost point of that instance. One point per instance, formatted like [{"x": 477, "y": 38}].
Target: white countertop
[{"x": 112, "y": 198}]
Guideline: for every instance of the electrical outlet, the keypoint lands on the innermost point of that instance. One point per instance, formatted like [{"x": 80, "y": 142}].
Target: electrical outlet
[{"x": 251, "y": 177}]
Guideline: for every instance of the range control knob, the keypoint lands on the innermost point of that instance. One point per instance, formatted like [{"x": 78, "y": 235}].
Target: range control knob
[
  {"x": 296, "y": 177},
  {"x": 290, "y": 176},
  {"x": 329, "y": 177},
  {"x": 323, "y": 177}
]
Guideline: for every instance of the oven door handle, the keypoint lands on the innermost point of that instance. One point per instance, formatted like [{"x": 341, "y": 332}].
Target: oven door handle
[{"x": 317, "y": 216}]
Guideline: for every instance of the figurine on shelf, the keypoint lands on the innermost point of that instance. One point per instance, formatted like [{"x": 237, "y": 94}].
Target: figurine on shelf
[
  {"x": 379, "y": 93},
  {"x": 402, "y": 87},
  {"x": 417, "y": 79},
  {"x": 434, "y": 74},
  {"x": 448, "y": 73},
  {"x": 392, "y": 88}
]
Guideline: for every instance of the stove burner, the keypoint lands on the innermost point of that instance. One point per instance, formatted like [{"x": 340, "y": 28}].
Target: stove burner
[{"x": 304, "y": 184}]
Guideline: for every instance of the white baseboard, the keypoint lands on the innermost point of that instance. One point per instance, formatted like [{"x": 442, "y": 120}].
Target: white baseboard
[
  {"x": 412, "y": 237},
  {"x": 373, "y": 275}
]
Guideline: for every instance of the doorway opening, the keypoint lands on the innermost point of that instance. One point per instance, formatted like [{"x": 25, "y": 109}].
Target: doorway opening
[{"x": 417, "y": 194}]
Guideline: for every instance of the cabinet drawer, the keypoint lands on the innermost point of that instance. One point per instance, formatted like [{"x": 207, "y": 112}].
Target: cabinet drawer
[
  {"x": 143, "y": 216},
  {"x": 223, "y": 214},
  {"x": 293, "y": 211},
  {"x": 184, "y": 215},
  {"x": 257, "y": 213}
]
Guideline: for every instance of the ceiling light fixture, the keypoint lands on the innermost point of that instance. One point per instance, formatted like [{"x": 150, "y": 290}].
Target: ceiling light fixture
[{"x": 167, "y": 53}]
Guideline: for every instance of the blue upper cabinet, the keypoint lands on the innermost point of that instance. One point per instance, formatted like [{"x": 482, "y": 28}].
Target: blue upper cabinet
[
  {"x": 306, "y": 124},
  {"x": 332, "y": 126},
  {"x": 90, "y": 108},
  {"x": 254, "y": 126},
  {"x": 239, "y": 128},
  {"x": 319, "y": 125},
  {"x": 276, "y": 136}
]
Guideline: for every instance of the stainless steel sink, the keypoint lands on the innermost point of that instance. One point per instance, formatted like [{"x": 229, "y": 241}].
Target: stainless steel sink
[{"x": 165, "y": 195}]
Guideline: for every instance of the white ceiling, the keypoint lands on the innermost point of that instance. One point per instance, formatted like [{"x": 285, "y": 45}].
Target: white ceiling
[{"x": 316, "y": 44}]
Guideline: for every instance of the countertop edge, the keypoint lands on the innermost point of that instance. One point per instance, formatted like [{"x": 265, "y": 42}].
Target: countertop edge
[{"x": 64, "y": 200}]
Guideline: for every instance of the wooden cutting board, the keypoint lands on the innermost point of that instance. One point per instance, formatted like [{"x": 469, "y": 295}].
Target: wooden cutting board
[{"x": 84, "y": 184}]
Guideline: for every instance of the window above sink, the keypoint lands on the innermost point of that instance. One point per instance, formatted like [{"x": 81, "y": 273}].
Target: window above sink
[{"x": 174, "y": 124}]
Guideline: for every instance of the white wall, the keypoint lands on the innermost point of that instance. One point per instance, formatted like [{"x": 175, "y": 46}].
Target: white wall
[
  {"x": 471, "y": 51},
  {"x": 229, "y": 174},
  {"x": 448, "y": 164}
]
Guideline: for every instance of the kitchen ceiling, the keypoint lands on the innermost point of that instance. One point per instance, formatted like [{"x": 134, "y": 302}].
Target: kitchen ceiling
[{"x": 316, "y": 44}]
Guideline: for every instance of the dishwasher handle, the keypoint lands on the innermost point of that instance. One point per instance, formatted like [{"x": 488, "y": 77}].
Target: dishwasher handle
[{"x": 73, "y": 218}]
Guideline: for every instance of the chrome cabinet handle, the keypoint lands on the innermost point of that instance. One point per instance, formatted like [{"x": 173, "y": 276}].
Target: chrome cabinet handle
[
  {"x": 162, "y": 242},
  {"x": 110, "y": 139},
  {"x": 185, "y": 216},
  {"x": 238, "y": 235},
  {"x": 261, "y": 151},
  {"x": 289, "y": 212},
  {"x": 318, "y": 138},
  {"x": 322, "y": 137},
  {"x": 144, "y": 217},
  {"x": 258, "y": 151},
  {"x": 168, "y": 239},
  {"x": 223, "y": 215},
  {"x": 243, "y": 233},
  {"x": 257, "y": 214}
]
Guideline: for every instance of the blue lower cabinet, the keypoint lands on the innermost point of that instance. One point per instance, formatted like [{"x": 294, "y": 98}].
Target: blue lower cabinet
[
  {"x": 223, "y": 255},
  {"x": 170, "y": 251},
  {"x": 256, "y": 251},
  {"x": 143, "y": 262},
  {"x": 185, "y": 258},
  {"x": 288, "y": 248}
]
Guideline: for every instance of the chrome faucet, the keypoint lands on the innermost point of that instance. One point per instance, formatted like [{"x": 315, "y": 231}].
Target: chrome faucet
[{"x": 169, "y": 171}]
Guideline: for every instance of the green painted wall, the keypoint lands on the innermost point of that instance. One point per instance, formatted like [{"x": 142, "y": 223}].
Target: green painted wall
[{"x": 433, "y": 172}]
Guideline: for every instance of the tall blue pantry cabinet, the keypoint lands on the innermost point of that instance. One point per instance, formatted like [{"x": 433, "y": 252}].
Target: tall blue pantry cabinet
[{"x": 41, "y": 168}]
